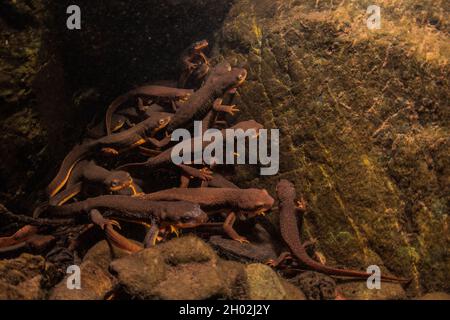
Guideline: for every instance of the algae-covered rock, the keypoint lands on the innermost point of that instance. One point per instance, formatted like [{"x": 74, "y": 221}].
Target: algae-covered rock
[
  {"x": 363, "y": 118},
  {"x": 100, "y": 253},
  {"x": 182, "y": 268},
  {"x": 140, "y": 272},
  {"x": 188, "y": 269},
  {"x": 20, "y": 278},
  {"x": 359, "y": 291},
  {"x": 316, "y": 286},
  {"x": 186, "y": 249},
  {"x": 23, "y": 136},
  {"x": 264, "y": 284},
  {"x": 191, "y": 281},
  {"x": 96, "y": 281},
  {"x": 435, "y": 296},
  {"x": 18, "y": 270}
]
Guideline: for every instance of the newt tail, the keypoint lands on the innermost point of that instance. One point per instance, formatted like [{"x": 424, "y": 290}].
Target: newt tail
[{"x": 291, "y": 235}]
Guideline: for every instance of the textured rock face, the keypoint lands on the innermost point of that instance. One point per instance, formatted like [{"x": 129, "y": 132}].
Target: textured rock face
[
  {"x": 96, "y": 281},
  {"x": 364, "y": 127},
  {"x": 264, "y": 284},
  {"x": 187, "y": 268},
  {"x": 359, "y": 291},
  {"x": 20, "y": 278},
  {"x": 23, "y": 137}
]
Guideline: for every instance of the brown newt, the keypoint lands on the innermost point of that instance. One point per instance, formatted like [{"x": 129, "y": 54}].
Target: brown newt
[
  {"x": 291, "y": 235},
  {"x": 193, "y": 60},
  {"x": 88, "y": 173},
  {"x": 148, "y": 91},
  {"x": 181, "y": 214},
  {"x": 115, "y": 143},
  {"x": 165, "y": 157},
  {"x": 246, "y": 202},
  {"x": 222, "y": 79}
]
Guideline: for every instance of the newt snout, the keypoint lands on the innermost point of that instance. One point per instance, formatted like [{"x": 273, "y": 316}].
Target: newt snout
[
  {"x": 182, "y": 216},
  {"x": 118, "y": 180},
  {"x": 162, "y": 123},
  {"x": 200, "y": 45},
  {"x": 234, "y": 79},
  {"x": 256, "y": 202}
]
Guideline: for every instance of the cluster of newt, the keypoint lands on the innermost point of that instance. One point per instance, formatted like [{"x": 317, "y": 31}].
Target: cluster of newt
[{"x": 139, "y": 124}]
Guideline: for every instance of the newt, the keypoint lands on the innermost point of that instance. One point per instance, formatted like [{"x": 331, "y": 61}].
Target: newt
[
  {"x": 176, "y": 214},
  {"x": 141, "y": 112},
  {"x": 290, "y": 233},
  {"x": 165, "y": 157},
  {"x": 246, "y": 202},
  {"x": 113, "y": 181},
  {"x": 192, "y": 58},
  {"x": 182, "y": 214},
  {"x": 22, "y": 235},
  {"x": 196, "y": 78},
  {"x": 150, "y": 90},
  {"x": 193, "y": 55},
  {"x": 112, "y": 235},
  {"x": 118, "y": 122},
  {"x": 36, "y": 242},
  {"x": 88, "y": 173},
  {"x": 219, "y": 181},
  {"x": 115, "y": 143},
  {"x": 222, "y": 79}
]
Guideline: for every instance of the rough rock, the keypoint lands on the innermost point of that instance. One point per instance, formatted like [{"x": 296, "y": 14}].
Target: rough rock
[
  {"x": 96, "y": 281},
  {"x": 316, "y": 286},
  {"x": 360, "y": 136},
  {"x": 100, "y": 253},
  {"x": 435, "y": 296},
  {"x": 186, "y": 249},
  {"x": 188, "y": 268},
  {"x": 140, "y": 272},
  {"x": 359, "y": 291},
  {"x": 264, "y": 284},
  {"x": 20, "y": 278},
  {"x": 23, "y": 136},
  {"x": 25, "y": 267}
]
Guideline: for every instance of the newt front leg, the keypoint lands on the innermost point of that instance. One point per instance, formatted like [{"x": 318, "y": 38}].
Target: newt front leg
[
  {"x": 151, "y": 236},
  {"x": 113, "y": 236},
  {"x": 160, "y": 143},
  {"x": 229, "y": 230},
  {"x": 219, "y": 107},
  {"x": 203, "y": 174}
]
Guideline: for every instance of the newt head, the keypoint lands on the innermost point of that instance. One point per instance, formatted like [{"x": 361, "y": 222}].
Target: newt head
[
  {"x": 162, "y": 120},
  {"x": 201, "y": 71},
  {"x": 249, "y": 125},
  {"x": 118, "y": 180},
  {"x": 200, "y": 45},
  {"x": 255, "y": 202},
  {"x": 286, "y": 190},
  {"x": 182, "y": 214},
  {"x": 228, "y": 81}
]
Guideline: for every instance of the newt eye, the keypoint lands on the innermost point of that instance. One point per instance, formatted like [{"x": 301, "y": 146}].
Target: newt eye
[
  {"x": 114, "y": 183},
  {"x": 162, "y": 121},
  {"x": 240, "y": 77},
  {"x": 185, "y": 219}
]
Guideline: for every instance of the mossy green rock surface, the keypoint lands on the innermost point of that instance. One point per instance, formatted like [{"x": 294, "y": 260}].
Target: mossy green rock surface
[{"x": 364, "y": 126}]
